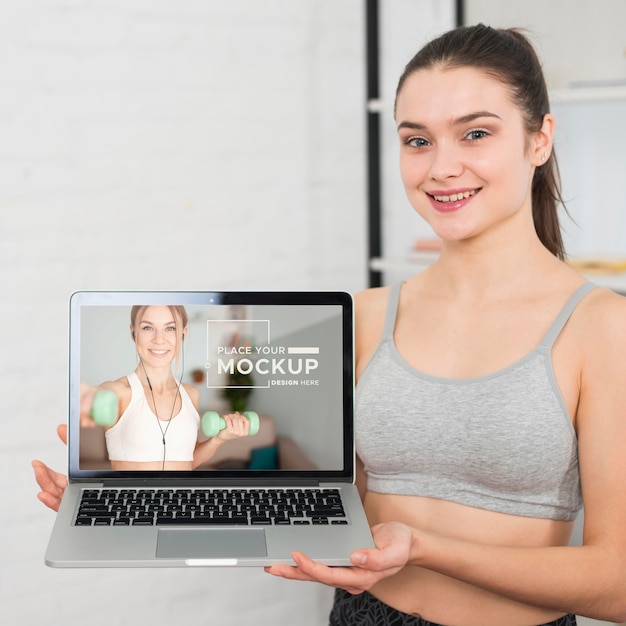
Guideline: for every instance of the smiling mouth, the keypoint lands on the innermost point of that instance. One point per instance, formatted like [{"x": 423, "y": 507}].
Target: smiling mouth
[{"x": 455, "y": 197}]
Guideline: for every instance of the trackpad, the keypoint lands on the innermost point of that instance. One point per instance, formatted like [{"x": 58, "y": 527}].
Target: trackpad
[{"x": 211, "y": 543}]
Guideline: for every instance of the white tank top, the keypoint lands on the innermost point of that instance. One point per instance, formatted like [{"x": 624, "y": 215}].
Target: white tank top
[{"x": 136, "y": 436}]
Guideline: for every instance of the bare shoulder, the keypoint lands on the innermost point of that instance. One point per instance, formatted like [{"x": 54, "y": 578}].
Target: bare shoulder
[
  {"x": 600, "y": 332},
  {"x": 369, "y": 308},
  {"x": 370, "y": 300},
  {"x": 369, "y": 311},
  {"x": 120, "y": 386},
  {"x": 117, "y": 384},
  {"x": 603, "y": 316},
  {"x": 194, "y": 394}
]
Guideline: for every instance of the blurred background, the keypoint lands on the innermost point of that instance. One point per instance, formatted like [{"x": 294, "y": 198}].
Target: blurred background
[
  {"x": 162, "y": 144},
  {"x": 193, "y": 144}
]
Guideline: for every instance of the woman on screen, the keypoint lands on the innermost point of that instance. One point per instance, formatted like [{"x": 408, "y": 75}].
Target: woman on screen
[{"x": 156, "y": 422}]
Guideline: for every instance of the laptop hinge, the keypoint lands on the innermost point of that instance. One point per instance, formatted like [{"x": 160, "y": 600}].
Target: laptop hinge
[{"x": 160, "y": 482}]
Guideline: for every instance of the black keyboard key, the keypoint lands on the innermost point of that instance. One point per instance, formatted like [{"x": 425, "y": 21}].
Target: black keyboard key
[
  {"x": 323, "y": 511},
  {"x": 210, "y": 506},
  {"x": 93, "y": 508},
  {"x": 169, "y": 521},
  {"x": 224, "y": 521}
]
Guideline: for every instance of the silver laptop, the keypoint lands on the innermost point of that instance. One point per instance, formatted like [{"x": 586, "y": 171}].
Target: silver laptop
[{"x": 141, "y": 494}]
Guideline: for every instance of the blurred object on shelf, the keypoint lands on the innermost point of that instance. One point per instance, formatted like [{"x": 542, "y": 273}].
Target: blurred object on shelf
[
  {"x": 431, "y": 245},
  {"x": 425, "y": 250},
  {"x": 598, "y": 265}
]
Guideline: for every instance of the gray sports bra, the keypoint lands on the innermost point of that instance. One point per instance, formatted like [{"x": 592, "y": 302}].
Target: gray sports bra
[{"x": 502, "y": 442}]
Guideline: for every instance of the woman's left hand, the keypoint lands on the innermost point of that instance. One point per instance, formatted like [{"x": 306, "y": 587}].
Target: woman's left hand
[{"x": 393, "y": 548}]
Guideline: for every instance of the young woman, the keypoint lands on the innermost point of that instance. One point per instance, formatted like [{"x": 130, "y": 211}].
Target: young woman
[
  {"x": 491, "y": 387},
  {"x": 158, "y": 421},
  {"x": 491, "y": 397}
]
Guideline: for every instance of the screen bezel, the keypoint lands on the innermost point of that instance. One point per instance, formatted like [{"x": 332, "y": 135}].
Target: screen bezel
[{"x": 213, "y": 476}]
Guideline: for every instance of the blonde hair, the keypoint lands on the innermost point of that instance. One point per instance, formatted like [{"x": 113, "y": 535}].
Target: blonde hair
[{"x": 180, "y": 317}]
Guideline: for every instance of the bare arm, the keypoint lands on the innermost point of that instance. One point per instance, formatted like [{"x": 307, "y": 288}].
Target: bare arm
[
  {"x": 236, "y": 426},
  {"x": 369, "y": 306},
  {"x": 88, "y": 393},
  {"x": 361, "y": 478},
  {"x": 589, "y": 579}
]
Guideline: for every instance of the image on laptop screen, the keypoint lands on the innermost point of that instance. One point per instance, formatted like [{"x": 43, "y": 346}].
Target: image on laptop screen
[{"x": 280, "y": 360}]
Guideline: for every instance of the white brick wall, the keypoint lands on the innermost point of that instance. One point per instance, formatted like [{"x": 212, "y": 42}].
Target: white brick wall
[{"x": 161, "y": 144}]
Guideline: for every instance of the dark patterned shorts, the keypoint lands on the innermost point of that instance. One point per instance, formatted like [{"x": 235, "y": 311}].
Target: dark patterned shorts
[{"x": 365, "y": 610}]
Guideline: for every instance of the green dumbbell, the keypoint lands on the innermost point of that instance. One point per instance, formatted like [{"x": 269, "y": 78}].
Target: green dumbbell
[
  {"x": 104, "y": 409},
  {"x": 213, "y": 423}
]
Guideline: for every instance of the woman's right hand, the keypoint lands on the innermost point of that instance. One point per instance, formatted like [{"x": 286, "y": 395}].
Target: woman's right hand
[{"x": 52, "y": 483}]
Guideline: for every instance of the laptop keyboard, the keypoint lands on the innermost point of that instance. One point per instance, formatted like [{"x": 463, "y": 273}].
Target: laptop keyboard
[{"x": 163, "y": 507}]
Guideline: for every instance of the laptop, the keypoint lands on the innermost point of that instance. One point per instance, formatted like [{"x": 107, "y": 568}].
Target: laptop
[{"x": 283, "y": 360}]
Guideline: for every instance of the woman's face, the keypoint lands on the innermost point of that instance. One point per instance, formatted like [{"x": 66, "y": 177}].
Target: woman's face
[
  {"x": 465, "y": 159},
  {"x": 156, "y": 336}
]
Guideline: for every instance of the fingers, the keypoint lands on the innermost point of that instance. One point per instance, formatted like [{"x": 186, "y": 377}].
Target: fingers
[
  {"x": 393, "y": 543},
  {"x": 48, "y": 479},
  {"x": 86, "y": 421},
  {"x": 62, "y": 432},
  {"x": 52, "y": 485},
  {"x": 352, "y": 579},
  {"x": 50, "y": 501},
  {"x": 42, "y": 475},
  {"x": 236, "y": 426}
]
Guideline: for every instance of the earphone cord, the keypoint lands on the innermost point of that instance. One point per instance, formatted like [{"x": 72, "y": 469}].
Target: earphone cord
[{"x": 164, "y": 432}]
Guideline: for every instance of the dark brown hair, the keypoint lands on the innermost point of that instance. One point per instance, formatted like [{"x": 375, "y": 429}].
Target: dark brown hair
[{"x": 508, "y": 56}]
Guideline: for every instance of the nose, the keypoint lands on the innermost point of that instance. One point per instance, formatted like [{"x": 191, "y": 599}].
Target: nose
[
  {"x": 159, "y": 336},
  {"x": 446, "y": 162}
]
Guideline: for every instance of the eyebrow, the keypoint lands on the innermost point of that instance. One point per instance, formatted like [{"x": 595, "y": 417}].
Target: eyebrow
[
  {"x": 144, "y": 321},
  {"x": 465, "y": 119}
]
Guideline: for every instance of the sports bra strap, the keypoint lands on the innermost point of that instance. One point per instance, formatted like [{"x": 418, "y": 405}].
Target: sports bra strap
[
  {"x": 548, "y": 339},
  {"x": 392, "y": 310},
  {"x": 557, "y": 326}
]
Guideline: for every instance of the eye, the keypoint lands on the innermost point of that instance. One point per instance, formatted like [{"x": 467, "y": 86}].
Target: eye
[
  {"x": 171, "y": 328},
  {"x": 416, "y": 142},
  {"x": 147, "y": 328},
  {"x": 474, "y": 135}
]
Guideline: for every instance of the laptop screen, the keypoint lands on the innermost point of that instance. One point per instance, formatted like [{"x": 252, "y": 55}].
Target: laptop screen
[{"x": 165, "y": 378}]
